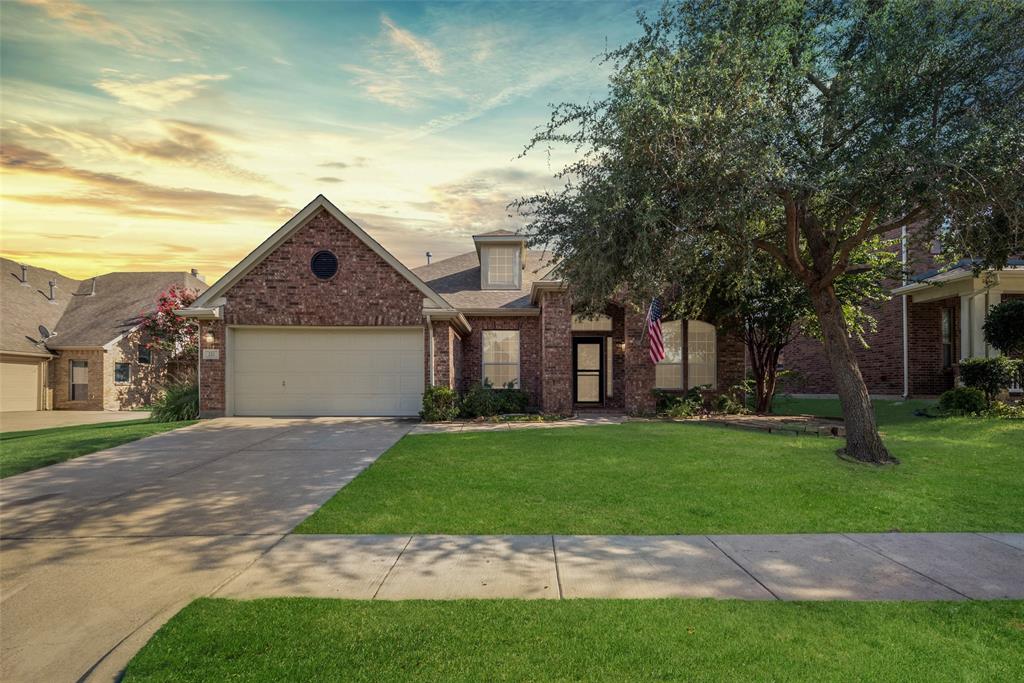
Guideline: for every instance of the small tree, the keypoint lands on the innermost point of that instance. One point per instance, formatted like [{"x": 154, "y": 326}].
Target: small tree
[
  {"x": 163, "y": 329},
  {"x": 1004, "y": 327}
]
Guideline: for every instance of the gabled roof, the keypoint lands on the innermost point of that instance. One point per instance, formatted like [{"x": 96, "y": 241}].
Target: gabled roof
[
  {"x": 457, "y": 279},
  {"x": 76, "y": 319},
  {"x": 321, "y": 203},
  {"x": 24, "y": 308},
  {"x": 114, "y": 309}
]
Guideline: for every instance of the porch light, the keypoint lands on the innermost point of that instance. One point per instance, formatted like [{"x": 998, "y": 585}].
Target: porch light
[{"x": 208, "y": 337}]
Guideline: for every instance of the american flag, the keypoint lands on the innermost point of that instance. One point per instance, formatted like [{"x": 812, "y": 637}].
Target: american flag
[{"x": 657, "y": 344}]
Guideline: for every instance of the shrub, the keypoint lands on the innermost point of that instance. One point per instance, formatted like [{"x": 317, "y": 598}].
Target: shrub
[
  {"x": 513, "y": 400},
  {"x": 990, "y": 375},
  {"x": 1008, "y": 411},
  {"x": 483, "y": 400},
  {"x": 962, "y": 401},
  {"x": 440, "y": 404},
  {"x": 179, "y": 401},
  {"x": 680, "y": 405},
  {"x": 1004, "y": 326},
  {"x": 728, "y": 404}
]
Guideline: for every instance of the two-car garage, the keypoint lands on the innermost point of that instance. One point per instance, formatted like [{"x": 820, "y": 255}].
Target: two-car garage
[{"x": 295, "y": 371}]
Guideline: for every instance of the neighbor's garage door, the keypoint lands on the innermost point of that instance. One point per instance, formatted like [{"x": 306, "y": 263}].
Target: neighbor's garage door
[
  {"x": 19, "y": 384},
  {"x": 306, "y": 371}
]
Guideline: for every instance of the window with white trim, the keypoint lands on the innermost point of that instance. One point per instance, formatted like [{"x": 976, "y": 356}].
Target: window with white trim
[
  {"x": 501, "y": 357},
  {"x": 701, "y": 353},
  {"x": 502, "y": 266},
  {"x": 701, "y": 356},
  {"x": 668, "y": 374}
]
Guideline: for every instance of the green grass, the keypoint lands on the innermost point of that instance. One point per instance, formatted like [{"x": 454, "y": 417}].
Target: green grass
[
  {"x": 301, "y": 639},
  {"x": 29, "y": 450},
  {"x": 957, "y": 474}
]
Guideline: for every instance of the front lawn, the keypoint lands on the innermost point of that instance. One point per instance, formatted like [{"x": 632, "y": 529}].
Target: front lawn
[
  {"x": 301, "y": 639},
  {"x": 957, "y": 474},
  {"x": 29, "y": 450}
]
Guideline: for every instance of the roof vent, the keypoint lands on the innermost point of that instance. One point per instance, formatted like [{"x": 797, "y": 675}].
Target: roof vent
[
  {"x": 24, "y": 275},
  {"x": 91, "y": 292},
  {"x": 53, "y": 293},
  {"x": 196, "y": 274},
  {"x": 324, "y": 264},
  {"x": 429, "y": 255}
]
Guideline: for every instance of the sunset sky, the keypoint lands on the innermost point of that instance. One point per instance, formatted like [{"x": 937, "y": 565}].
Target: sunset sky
[{"x": 142, "y": 136}]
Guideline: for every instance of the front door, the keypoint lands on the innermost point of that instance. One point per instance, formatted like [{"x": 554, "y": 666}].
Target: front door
[{"x": 588, "y": 369}]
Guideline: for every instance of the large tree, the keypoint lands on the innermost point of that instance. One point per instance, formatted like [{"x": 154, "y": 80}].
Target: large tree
[{"x": 800, "y": 130}]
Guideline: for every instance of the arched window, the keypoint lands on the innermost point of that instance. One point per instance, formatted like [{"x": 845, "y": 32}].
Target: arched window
[{"x": 701, "y": 356}]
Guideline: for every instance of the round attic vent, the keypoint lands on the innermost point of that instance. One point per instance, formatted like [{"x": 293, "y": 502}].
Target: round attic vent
[{"x": 324, "y": 264}]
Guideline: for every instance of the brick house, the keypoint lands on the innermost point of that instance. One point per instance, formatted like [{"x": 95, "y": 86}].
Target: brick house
[
  {"x": 322, "y": 320},
  {"x": 93, "y": 357},
  {"x": 931, "y": 323}
]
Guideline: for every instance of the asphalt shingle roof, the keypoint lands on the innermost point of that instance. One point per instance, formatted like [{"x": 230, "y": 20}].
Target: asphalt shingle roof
[
  {"x": 457, "y": 280},
  {"x": 76, "y": 318}
]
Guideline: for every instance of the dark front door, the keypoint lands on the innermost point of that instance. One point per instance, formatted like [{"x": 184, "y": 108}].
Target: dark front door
[{"x": 588, "y": 369}]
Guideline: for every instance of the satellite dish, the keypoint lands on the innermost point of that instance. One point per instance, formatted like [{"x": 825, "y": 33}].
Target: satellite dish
[{"x": 44, "y": 333}]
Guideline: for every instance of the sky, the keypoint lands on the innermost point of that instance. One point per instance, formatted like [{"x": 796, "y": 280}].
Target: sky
[{"x": 145, "y": 136}]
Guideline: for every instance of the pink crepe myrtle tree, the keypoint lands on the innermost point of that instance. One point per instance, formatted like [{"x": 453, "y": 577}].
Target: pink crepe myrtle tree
[{"x": 163, "y": 329}]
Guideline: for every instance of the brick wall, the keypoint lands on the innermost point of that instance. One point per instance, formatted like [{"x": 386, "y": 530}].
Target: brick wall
[
  {"x": 211, "y": 372},
  {"x": 366, "y": 290},
  {"x": 529, "y": 352},
  {"x": 639, "y": 379},
  {"x": 881, "y": 363},
  {"x": 928, "y": 377},
  {"x": 145, "y": 379},
  {"x": 447, "y": 353},
  {"x": 731, "y": 362},
  {"x": 556, "y": 354},
  {"x": 60, "y": 368}
]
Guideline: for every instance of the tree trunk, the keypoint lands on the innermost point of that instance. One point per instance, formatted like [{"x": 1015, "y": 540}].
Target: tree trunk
[{"x": 863, "y": 442}]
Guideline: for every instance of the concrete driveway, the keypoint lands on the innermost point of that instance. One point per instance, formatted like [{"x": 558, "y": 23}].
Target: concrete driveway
[
  {"x": 23, "y": 420},
  {"x": 99, "y": 551}
]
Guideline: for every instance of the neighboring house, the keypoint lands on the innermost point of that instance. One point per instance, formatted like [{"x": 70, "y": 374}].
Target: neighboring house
[
  {"x": 67, "y": 344},
  {"x": 931, "y": 323},
  {"x": 322, "y": 320}
]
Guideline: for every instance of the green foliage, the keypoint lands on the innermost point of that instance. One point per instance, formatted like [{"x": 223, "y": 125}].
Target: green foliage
[
  {"x": 990, "y": 375},
  {"x": 728, "y": 404},
  {"x": 177, "y": 402},
  {"x": 962, "y": 401},
  {"x": 483, "y": 400},
  {"x": 1004, "y": 326},
  {"x": 1006, "y": 411},
  {"x": 440, "y": 404},
  {"x": 687, "y": 404}
]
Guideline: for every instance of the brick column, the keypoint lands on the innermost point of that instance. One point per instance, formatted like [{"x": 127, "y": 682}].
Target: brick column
[
  {"x": 639, "y": 396},
  {"x": 444, "y": 355},
  {"x": 556, "y": 353},
  {"x": 732, "y": 359},
  {"x": 211, "y": 371}
]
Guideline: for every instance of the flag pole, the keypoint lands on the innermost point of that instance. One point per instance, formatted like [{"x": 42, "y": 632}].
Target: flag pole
[{"x": 647, "y": 321}]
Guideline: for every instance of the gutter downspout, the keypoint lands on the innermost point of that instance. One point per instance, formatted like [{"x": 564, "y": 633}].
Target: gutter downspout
[
  {"x": 906, "y": 342},
  {"x": 430, "y": 331}
]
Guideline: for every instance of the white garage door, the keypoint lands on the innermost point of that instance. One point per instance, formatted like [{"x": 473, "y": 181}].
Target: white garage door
[
  {"x": 308, "y": 371},
  {"x": 19, "y": 385}
]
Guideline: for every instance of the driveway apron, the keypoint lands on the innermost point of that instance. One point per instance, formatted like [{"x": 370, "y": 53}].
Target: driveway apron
[{"x": 99, "y": 551}]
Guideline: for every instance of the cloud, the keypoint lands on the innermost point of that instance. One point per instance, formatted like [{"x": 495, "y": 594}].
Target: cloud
[
  {"x": 128, "y": 196},
  {"x": 182, "y": 142},
  {"x": 329, "y": 179},
  {"x": 479, "y": 201},
  {"x": 421, "y": 49},
  {"x": 88, "y": 22},
  {"x": 134, "y": 91}
]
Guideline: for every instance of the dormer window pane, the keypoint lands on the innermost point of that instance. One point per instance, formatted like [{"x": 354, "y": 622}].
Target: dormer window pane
[{"x": 501, "y": 267}]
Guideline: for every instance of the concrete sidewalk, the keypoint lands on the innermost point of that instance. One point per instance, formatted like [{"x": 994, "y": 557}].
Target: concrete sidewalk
[
  {"x": 785, "y": 567},
  {"x": 509, "y": 426}
]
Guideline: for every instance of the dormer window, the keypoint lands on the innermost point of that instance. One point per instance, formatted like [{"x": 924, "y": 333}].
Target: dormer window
[{"x": 502, "y": 267}]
